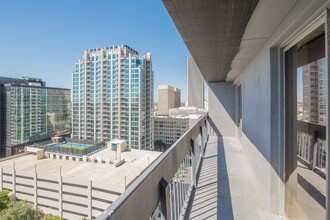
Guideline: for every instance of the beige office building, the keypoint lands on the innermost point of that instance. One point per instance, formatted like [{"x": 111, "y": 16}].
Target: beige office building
[
  {"x": 168, "y": 97},
  {"x": 169, "y": 129}
]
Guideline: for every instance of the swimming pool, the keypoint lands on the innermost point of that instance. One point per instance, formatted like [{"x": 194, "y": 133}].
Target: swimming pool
[{"x": 72, "y": 148}]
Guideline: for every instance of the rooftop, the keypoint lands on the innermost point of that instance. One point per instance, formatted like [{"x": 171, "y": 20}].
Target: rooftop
[{"x": 136, "y": 162}]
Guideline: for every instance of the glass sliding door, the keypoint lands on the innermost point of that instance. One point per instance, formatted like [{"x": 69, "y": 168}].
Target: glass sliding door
[{"x": 306, "y": 126}]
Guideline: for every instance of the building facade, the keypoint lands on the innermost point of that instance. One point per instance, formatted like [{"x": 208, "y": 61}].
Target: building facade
[
  {"x": 169, "y": 129},
  {"x": 168, "y": 97},
  {"x": 113, "y": 96},
  {"x": 314, "y": 92},
  {"x": 195, "y": 85},
  {"x": 192, "y": 113},
  {"x": 31, "y": 112}
]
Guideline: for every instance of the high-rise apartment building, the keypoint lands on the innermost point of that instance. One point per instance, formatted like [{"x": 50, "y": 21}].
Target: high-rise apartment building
[
  {"x": 31, "y": 112},
  {"x": 314, "y": 92},
  {"x": 195, "y": 85},
  {"x": 113, "y": 96},
  {"x": 168, "y": 97}
]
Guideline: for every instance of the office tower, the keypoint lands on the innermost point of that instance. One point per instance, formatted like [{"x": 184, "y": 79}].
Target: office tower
[
  {"x": 195, "y": 85},
  {"x": 113, "y": 96},
  {"x": 31, "y": 112},
  {"x": 314, "y": 92},
  {"x": 169, "y": 129},
  {"x": 168, "y": 97},
  {"x": 177, "y": 99}
]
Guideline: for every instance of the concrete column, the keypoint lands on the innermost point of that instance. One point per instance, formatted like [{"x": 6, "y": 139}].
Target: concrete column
[
  {"x": 90, "y": 199},
  {"x": 60, "y": 195},
  {"x": 35, "y": 187},
  {"x": 290, "y": 155},
  {"x": 14, "y": 181},
  {"x": 165, "y": 198}
]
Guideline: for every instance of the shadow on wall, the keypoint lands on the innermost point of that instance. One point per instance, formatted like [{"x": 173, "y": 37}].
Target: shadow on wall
[
  {"x": 222, "y": 108},
  {"x": 214, "y": 127},
  {"x": 222, "y": 118}
]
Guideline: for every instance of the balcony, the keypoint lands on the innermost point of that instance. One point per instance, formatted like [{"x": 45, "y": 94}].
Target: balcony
[
  {"x": 249, "y": 157},
  {"x": 201, "y": 176},
  {"x": 169, "y": 181}
]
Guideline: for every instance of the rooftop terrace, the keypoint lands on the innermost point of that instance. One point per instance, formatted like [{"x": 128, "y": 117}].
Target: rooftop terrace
[{"x": 136, "y": 162}]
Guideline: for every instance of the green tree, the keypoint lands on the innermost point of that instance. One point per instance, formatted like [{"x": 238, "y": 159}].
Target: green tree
[
  {"x": 51, "y": 217},
  {"x": 160, "y": 145},
  {"x": 5, "y": 199},
  {"x": 21, "y": 210}
]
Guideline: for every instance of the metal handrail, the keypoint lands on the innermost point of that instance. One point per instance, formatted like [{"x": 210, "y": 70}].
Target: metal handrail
[
  {"x": 310, "y": 145},
  {"x": 142, "y": 197}
]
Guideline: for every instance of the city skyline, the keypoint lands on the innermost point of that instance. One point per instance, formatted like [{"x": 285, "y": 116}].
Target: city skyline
[{"x": 39, "y": 29}]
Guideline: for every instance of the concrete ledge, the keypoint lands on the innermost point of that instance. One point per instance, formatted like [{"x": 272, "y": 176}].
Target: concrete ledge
[{"x": 118, "y": 163}]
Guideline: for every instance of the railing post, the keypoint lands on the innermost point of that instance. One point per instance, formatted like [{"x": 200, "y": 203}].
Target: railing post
[
  {"x": 313, "y": 165},
  {"x": 315, "y": 148},
  {"x": 165, "y": 198},
  {"x": 194, "y": 163},
  {"x": 202, "y": 140},
  {"x": 60, "y": 194}
]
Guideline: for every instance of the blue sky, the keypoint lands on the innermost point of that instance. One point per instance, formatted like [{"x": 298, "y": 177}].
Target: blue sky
[{"x": 45, "y": 38}]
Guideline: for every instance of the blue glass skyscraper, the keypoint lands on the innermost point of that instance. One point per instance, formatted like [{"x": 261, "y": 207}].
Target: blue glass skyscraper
[{"x": 112, "y": 96}]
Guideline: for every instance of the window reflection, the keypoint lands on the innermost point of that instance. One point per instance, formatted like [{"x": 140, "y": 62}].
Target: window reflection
[{"x": 311, "y": 92}]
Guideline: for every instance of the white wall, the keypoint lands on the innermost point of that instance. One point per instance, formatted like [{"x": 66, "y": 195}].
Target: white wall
[
  {"x": 256, "y": 104},
  {"x": 222, "y": 111}
]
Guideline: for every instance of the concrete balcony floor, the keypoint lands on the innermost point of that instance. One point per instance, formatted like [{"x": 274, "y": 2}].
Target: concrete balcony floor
[
  {"x": 311, "y": 190},
  {"x": 225, "y": 190}
]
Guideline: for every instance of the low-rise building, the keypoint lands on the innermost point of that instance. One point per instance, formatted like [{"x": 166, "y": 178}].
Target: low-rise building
[
  {"x": 169, "y": 129},
  {"x": 192, "y": 113},
  {"x": 72, "y": 186}
]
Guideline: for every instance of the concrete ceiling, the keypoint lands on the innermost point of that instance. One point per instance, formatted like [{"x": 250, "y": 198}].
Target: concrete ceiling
[
  {"x": 224, "y": 35},
  {"x": 212, "y": 30}
]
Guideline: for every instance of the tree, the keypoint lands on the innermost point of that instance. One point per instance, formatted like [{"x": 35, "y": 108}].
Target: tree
[
  {"x": 5, "y": 199},
  {"x": 51, "y": 217},
  {"x": 21, "y": 210},
  {"x": 160, "y": 145}
]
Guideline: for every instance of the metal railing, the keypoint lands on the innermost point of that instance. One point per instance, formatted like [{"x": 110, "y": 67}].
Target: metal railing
[
  {"x": 164, "y": 189},
  {"x": 311, "y": 141}
]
